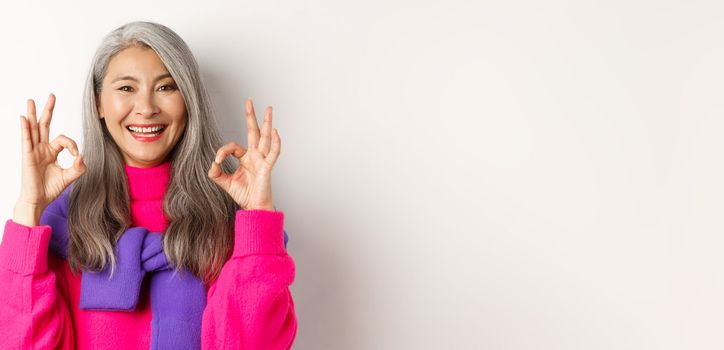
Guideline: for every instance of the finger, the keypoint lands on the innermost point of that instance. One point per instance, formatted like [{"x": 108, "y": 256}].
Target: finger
[
  {"x": 217, "y": 174},
  {"x": 46, "y": 117},
  {"x": 33, "y": 121},
  {"x": 74, "y": 172},
  {"x": 229, "y": 148},
  {"x": 60, "y": 142},
  {"x": 251, "y": 126},
  {"x": 276, "y": 148},
  {"x": 219, "y": 177},
  {"x": 27, "y": 141},
  {"x": 266, "y": 131}
]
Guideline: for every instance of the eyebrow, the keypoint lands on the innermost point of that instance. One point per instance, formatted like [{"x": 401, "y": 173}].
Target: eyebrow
[{"x": 132, "y": 78}]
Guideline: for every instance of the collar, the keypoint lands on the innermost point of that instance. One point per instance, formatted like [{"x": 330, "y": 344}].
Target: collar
[{"x": 148, "y": 183}]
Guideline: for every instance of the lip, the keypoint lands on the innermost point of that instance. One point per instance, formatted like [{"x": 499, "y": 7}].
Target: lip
[
  {"x": 145, "y": 125},
  {"x": 145, "y": 138}
]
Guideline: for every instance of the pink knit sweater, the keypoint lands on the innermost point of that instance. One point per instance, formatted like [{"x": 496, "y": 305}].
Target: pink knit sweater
[{"x": 248, "y": 307}]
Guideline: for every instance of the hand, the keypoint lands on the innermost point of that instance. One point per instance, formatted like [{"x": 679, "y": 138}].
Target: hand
[
  {"x": 250, "y": 184},
  {"x": 42, "y": 178}
]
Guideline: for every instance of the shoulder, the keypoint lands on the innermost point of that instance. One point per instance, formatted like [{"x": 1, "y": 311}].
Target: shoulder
[
  {"x": 59, "y": 206},
  {"x": 56, "y": 216}
]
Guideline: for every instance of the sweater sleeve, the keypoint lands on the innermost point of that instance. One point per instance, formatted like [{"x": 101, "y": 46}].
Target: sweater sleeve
[
  {"x": 33, "y": 312},
  {"x": 250, "y": 305}
]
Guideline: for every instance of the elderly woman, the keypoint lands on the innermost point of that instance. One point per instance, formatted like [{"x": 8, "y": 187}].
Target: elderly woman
[{"x": 153, "y": 238}]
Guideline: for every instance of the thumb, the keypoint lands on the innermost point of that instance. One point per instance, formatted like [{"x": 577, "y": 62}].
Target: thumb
[
  {"x": 73, "y": 173},
  {"x": 217, "y": 175}
]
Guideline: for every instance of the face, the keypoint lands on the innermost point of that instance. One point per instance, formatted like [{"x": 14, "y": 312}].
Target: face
[{"x": 142, "y": 107}]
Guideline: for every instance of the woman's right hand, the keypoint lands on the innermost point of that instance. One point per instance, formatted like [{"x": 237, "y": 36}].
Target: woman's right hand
[{"x": 42, "y": 178}]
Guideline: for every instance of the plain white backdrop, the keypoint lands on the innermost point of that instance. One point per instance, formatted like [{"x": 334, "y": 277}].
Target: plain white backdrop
[{"x": 454, "y": 174}]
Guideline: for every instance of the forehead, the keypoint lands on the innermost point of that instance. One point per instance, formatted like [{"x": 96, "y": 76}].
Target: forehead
[{"x": 142, "y": 63}]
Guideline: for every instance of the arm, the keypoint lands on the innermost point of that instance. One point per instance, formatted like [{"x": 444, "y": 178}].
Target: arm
[
  {"x": 33, "y": 313},
  {"x": 250, "y": 306}
]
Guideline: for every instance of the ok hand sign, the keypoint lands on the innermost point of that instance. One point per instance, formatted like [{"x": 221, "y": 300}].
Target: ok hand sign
[
  {"x": 250, "y": 184},
  {"x": 42, "y": 177}
]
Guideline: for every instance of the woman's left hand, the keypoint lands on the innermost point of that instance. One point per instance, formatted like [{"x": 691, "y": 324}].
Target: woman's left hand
[{"x": 250, "y": 184}]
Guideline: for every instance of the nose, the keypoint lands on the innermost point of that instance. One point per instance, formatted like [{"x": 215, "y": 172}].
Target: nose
[{"x": 146, "y": 106}]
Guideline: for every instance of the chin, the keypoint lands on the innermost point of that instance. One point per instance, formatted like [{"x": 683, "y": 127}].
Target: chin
[{"x": 146, "y": 159}]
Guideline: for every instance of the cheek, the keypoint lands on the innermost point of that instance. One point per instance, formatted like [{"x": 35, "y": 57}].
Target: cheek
[
  {"x": 176, "y": 109},
  {"x": 116, "y": 107}
]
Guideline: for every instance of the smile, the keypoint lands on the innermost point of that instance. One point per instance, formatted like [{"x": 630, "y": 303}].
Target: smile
[{"x": 146, "y": 133}]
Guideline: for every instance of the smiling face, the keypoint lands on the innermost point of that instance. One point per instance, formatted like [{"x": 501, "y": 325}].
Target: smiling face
[{"x": 142, "y": 107}]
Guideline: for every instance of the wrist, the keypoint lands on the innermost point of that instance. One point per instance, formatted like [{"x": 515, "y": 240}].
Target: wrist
[
  {"x": 27, "y": 214},
  {"x": 261, "y": 207},
  {"x": 269, "y": 209}
]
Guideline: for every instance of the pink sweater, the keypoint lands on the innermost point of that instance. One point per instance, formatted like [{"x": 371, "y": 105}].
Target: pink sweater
[{"x": 248, "y": 307}]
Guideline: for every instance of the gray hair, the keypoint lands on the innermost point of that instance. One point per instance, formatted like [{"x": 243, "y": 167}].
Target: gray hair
[{"x": 199, "y": 236}]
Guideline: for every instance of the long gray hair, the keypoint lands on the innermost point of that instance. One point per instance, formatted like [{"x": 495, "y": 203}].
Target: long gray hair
[{"x": 199, "y": 236}]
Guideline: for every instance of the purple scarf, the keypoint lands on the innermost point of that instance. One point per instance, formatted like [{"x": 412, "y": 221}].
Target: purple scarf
[{"x": 177, "y": 300}]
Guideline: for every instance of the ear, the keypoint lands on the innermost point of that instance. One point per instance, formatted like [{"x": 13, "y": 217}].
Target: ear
[{"x": 99, "y": 109}]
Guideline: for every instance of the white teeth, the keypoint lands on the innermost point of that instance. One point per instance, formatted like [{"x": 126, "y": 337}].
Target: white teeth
[{"x": 151, "y": 129}]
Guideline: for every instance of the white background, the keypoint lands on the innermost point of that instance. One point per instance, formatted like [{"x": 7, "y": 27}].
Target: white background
[{"x": 454, "y": 174}]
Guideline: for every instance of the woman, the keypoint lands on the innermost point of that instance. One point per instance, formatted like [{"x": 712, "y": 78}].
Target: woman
[{"x": 150, "y": 239}]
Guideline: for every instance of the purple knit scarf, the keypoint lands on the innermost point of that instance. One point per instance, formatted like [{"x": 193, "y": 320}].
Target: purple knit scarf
[{"x": 177, "y": 299}]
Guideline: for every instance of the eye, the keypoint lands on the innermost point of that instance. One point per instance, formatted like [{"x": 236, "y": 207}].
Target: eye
[
  {"x": 168, "y": 87},
  {"x": 125, "y": 88}
]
